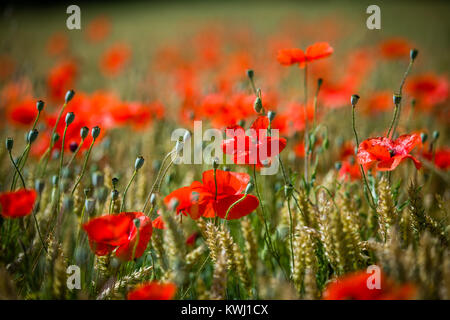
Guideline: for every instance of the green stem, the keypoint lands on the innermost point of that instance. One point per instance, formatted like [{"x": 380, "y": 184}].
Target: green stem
[
  {"x": 306, "y": 136},
  {"x": 17, "y": 170},
  {"x": 84, "y": 166},
  {"x": 122, "y": 207},
  {"x": 75, "y": 153}
]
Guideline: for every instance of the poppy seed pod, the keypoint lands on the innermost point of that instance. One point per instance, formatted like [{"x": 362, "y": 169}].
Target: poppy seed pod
[
  {"x": 139, "y": 163},
  {"x": 54, "y": 180},
  {"x": 397, "y": 98},
  {"x": 271, "y": 115},
  {"x": 95, "y": 132},
  {"x": 250, "y": 73},
  {"x": 354, "y": 100},
  {"x": 40, "y": 105},
  {"x": 423, "y": 137},
  {"x": 73, "y": 146},
  {"x": 114, "y": 181},
  {"x": 215, "y": 163},
  {"x": 32, "y": 135},
  {"x": 153, "y": 199},
  {"x": 435, "y": 135},
  {"x": 413, "y": 54},
  {"x": 9, "y": 143},
  {"x": 257, "y": 105},
  {"x": 137, "y": 222},
  {"x": 84, "y": 132},
  {"x": 69, "y": 95},
  {"x": 249, "y": 188}
]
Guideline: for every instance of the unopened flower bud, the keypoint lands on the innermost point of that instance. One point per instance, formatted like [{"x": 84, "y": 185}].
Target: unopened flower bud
[
  {"x": 39, "y": 185},
  {"x": 338, "y": 165},
  {"x": 249, "y": 188},
  {"x": 257, "y": 105},
  {"x": 70, "y": 116},
  {"x": 354, "y": 100},
  {"x": 114, "y": 195},
  {"x": 73, "y": 146},
  {"x": 40, "y": 105},
  {"x": 138, "y": 163},
  {"x": 271, "y": 115},
  {"x": 115, "y": 181},
  {"x": 95, "y": 132},
  {"x": 84, "y": 132},
  {"x": 32, "y": 135},
  {"x": 423, "y": 137},
  {"x": 137, "y": 222},
  {"x": 413, "y": 54},
  {"x": 55, "y": 137},
  {"x": 397, "y": 98},
  {"x": 153, "y": 199},
  {"x": 89, "y": 205},
  {"x": 98, "y": 179},
  {"x": 319, "y": 82},
  {"x": 216, "y": 163},
  {"x": 9, "y": 143},
  {"x": 250, "y": 73},
  {"x": 69, "y": 95},
  {"x": 435, "y": 135}
]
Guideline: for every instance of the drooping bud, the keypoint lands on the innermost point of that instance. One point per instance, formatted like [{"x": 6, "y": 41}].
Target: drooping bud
[
  {"x": 9, "y": 143},
  {"x": 69, "y": 95},
  {"x": 40, "y": 105},
  {"x": 73, "y": 146},
  {"x": 257, "y": 105},
  {"x": 250, "y": 73},
  {"x": 95, "y": 132},
  {"x": 413, "y": 54},
  {"x": 84, "y": 132},
  {"x": 397, "y": 98},
  {"x": 138, "y": 163},
  {"x": 249, "y": 188},
  {"x": 423, "y": 137},
  {"x": 271, "y": 115},
  {"x": 32, "y": 135},
  {"x": 354, "y": 99}
]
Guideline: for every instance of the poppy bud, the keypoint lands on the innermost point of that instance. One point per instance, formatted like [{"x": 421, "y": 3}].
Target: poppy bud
[
  {"x": 40, "y": 105},
  {"x": 397, "y": 98},
  {"x": 98, "y": 179},
  {"x": 95, "y": 132},
  {"x": 73, "y": 146},
  {"x": 138, "y": 163},
  {"x": 39, "y": 185},
  {"x": 215, "y": 163},
  {"x": 257, "y": 105},
  {"x": 9, "y": 143},
  {"x": 354, "y": 100},
  {"x": 413, "y": 103},
  {"x": 173, "y": 203},
  {"x": 413, "y": 54},
  {"x": 319, "y": 82},
  {"x": 54, "y": 180},
  {"x": 241, "y": 123},
  {"x": 153, "y": 199},
  {"x": 423, "y": 137},
  {"x": 69, "y": 95},
  {"x": 55, "y": 137},
  {"x": 114, "y": 182},
  {"x": 89, "y": 205},
  {"x": 84, "y": 132},
  {"x": 137, "y": 222},
  {"x": 338, "y": 165},
  {"x": 32, "y": 135},
  {"x": 435, "y": 135},
  {"x": 250, "y": 73},
  {"x": 249, "y": 188},
  {"x": 114, "y": 195},
  {"x": 271, "y": 115}
]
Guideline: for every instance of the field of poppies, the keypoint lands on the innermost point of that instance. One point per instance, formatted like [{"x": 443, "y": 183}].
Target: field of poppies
[{"x": 320, "y": 169}]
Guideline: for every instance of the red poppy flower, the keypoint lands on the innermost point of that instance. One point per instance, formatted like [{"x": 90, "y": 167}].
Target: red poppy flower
[
  {"x": 57, "y": 44},
  {"x": 354, "y": 286},
  {"x": 387, "y": 153},
  {"x": 191, "y": 239},
  {"x": 16, "y": 204},
  {"x": 253, "y": 149},
  {"x": 118, "y": 232},
  {"x": 98, "y": 29},
  {"x": 23, "y": 112},
  {"x": 395, "y": 48},
  {"x": 153, "y": 291},
  {"x": 428, "y": 89},
  {"x": 316, "y": 51},
  {"x": 158, "y": 223},
  {"x": 349, "y": 170},
  {"x": 199, "y": 199},
  {"x": 441, "y": 157},
  {"x": 61, "y": 79},
  {"x": 114, "y": 59}
]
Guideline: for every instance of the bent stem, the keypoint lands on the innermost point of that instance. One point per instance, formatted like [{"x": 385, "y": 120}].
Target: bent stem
[
  {"x": 75, "y": 153},
  {"x": 84, "y": 167},
  {"x": 16, "y": 170},
  {"x": 122, "y": 207}
]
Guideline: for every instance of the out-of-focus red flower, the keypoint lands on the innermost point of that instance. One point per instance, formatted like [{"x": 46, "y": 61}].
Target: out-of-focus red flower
[
  {"x": 17, "y": 204},
  {"x": 395, "y": 48},
  {"x": 114, "y": 59},
  {"x": 441, "y": 157},
  {"x": 354, "y": 286},
  {"x": 380, "y": 102},
  {"x": 199, "y": 199},
  {"x": 158, "y": 223},
  {"x": 316, "y": 51},
  {"x": 428, "y": 89},
  {"x": 61, "y": 79},
  {"x": 119, "y": 232},
  {"x": 153, "y": 291},
  {"x": 57, "y": 44},
  {"x": 190, "y": 241},
  {"x": 386, "y": 153},
  {"x": 98, "y": 29},
  {"x": 23, "y": 112},
  {"x": 349, "y": 170},
  {"x": 256, "y": 148}
]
